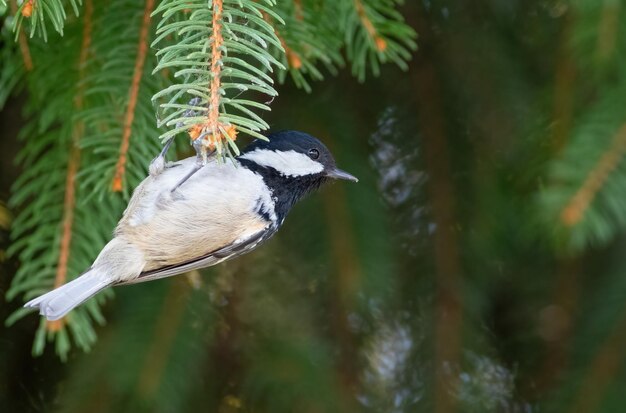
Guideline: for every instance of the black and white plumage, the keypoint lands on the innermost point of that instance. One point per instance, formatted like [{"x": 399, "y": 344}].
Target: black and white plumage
[{"x": 220, "y": 212}]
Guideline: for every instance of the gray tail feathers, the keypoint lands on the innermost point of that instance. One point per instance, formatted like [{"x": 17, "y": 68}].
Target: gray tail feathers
[{"x": 62, "y": 300}]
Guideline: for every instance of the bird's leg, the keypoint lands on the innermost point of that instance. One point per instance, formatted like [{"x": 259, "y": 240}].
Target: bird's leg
[
  {"x": 158, "y": 164},
  {"x": 201, "y": 160}
]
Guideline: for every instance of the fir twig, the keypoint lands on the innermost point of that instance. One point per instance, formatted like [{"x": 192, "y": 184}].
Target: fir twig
[
  {"x": 219, "y": 52},
  {"x": 376, "y": 33},
  {"x": 133, "y": 93},
  {"x": 74, "y": 162},
  {"x": 23, "y": 42},
  {"x": 216, "y": 71},
  {"x": 380, "y": 43},
  {"x": 578, "y": 204}
]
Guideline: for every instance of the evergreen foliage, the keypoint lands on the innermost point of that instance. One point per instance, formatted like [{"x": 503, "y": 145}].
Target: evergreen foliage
[
  {"x": 586, "y": 184},
  {"x": 201, "y": 66}
]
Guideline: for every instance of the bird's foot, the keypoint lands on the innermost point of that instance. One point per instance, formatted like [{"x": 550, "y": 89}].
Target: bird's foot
[
  {"x": 202, "y": 156},
  {"x": 158, "y": 164}
]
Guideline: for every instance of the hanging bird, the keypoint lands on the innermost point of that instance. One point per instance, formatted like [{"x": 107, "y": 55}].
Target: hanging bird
[{"x": 223, "y": 210}]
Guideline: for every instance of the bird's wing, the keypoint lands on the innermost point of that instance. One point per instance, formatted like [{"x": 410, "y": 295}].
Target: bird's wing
[
  {"x": 216, "y": 209},
  {"x": 212, "y": 258}
]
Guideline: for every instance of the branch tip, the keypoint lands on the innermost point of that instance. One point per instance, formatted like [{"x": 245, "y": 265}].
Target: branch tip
[{"x": 578, "y": 205}]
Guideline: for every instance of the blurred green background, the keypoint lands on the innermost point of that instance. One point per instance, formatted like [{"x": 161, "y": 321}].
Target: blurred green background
[{"x": 478, "y": 266}]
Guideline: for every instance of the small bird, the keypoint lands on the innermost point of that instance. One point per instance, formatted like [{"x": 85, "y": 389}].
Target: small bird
[{"x": 223, "y": 210}]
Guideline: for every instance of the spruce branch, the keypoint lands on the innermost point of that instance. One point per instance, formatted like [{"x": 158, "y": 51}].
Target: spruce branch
[
  {"x": 121, "y": 121},
  {"x": 78, "y": 131},
  {"x": 142, "y": 49},
  {"x": 37, "y": 12},
  {"x": 310, "y": 41},
  {"x": 587, "y": 182},
  {"x": 213, "y": 124},
  {"x": 47, "y": 159},
  {"x": 376, "y": 33},
  {"x": 22, "y": 41},
  {"x": 578, "y": 205},
  {"x": 379, "y": 42},
  {"x": 219, "y": 52}
]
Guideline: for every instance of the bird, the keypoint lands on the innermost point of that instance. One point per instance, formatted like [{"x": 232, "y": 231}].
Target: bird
[{"x": 223, "y": 210}]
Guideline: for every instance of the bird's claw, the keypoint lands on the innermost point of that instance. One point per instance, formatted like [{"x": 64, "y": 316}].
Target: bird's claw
[
  {"x": 158, "y": 164},
  {"x": 201, "y": 152},
  {"x": 202, "y": 156}
]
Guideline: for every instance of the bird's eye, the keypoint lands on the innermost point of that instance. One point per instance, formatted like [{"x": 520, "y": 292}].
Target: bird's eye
[{"x": 314, "y": 153}]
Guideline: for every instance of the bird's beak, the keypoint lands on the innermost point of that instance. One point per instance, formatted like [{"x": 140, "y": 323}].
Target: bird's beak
[{"x": 337, "y": 173}]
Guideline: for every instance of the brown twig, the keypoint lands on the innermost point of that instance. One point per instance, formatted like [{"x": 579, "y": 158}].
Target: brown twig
[
  {"x": 73, "y": 164},
  {"x": 216, "y": 68},
  {"x": 381, "y": 44},
  {"x": 133, "y": 93},
  {"x": 23, "y": 42},
  {"x": 213, "y": 131},
  {"x": 579, "y": 203}
]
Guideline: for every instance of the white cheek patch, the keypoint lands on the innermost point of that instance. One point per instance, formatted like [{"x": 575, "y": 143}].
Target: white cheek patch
[{"x": 288, "y": 163}]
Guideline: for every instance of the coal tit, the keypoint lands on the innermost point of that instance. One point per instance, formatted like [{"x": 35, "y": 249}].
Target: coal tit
[{"x": 223, "y": 210}]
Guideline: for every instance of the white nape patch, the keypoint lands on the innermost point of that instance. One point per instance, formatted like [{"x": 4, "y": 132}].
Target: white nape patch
[{"x": 288, "y": 163}]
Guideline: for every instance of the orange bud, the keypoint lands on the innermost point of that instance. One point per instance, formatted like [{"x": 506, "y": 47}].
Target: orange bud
[
  {"x": 55, "y": 325},
  {"x": 571, "y": 216},
  {"x": 116, "y": 185},
  {"x": 381, "y": 44},
  {"x": 295, "y": 61},
  {"x": 231, "y": 131},
  {"x": 195, "y": 131},
  {"x": 27, "y": 10}
]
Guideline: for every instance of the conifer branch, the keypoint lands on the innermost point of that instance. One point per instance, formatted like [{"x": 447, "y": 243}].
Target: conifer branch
[
  {"x": 577, "y": 206},
  {"x": 228, "y": 40},
  {"x": 376, "y": 33},
  {"x": 133, "y": 93},
  {"x": 380, "y": 43},
  {"x": 38, "y": 12},
  {"x": 74, "y": 162},
  {"x": 23, "y": 42},
  {"x": 212, "y": 128}
]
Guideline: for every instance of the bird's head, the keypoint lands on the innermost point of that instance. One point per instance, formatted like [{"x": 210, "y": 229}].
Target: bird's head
[{"x": 292, "y": 164}]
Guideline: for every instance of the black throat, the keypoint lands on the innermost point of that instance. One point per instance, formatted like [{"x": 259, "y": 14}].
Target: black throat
[{"x": 286, "y": 190}]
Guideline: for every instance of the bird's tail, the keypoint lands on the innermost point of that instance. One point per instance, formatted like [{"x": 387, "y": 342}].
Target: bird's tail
[{"x": 62, "y": 300}]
